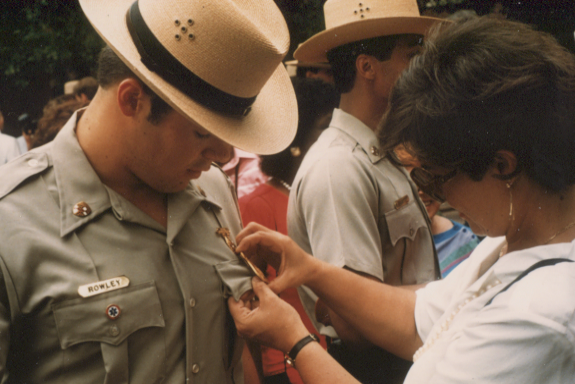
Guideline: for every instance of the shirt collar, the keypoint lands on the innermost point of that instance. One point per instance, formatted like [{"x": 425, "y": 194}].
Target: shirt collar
[
  {"x": 78, "y": 183},
  {"x": 80, "y": 186},
  {"x": 360, "y": 132}
]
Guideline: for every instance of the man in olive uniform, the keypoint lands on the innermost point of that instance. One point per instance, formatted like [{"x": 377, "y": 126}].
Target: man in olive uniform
[
  {"x": 349, "y": 204},
  {"x": 113, "y": 264}
]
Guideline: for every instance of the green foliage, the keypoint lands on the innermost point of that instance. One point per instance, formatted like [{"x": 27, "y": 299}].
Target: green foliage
[
  {"x": 44, "y": 39},
  {"x": 304, "y": 19},
  {"x": 438, "y": 3}
]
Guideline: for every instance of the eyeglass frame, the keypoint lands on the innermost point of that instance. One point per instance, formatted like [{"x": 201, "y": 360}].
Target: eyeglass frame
[{"x": 433, "y": 184}]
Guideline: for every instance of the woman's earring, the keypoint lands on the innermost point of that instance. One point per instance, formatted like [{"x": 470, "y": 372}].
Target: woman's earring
[
  {"x": 295, "y": 151},
  {"x": 509, "y": 185}
]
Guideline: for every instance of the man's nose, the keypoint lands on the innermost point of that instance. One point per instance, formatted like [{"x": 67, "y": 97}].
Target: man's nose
[{"x": 218, "y": 151}]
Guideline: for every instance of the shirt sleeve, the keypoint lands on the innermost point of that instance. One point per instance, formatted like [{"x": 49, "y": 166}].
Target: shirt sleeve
[
  {"x": 12, "y": 149},
  {"x": 339, "y": 202},
  {"x": 509, "y": 348},
  {"x": 4, "y": 326},
  {"x": 433, "y": 300}
]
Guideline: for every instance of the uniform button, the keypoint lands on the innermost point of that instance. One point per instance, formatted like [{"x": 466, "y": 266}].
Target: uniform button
[
  {"x": 202, "y": 192},
  {"x": 195, "y": 368},
  {"x": 114, "y": 330},
  {"x": 411, "y": 232},
  {"x": 374, "y": 151},
  {"x": 192, "y": 302},
  {"x": 33, "y": 163}
]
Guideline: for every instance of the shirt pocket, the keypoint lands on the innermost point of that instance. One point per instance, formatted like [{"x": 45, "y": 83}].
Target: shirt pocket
[
  {"x": 405, "y": 222},
  {"x": 109, "y": 319}
]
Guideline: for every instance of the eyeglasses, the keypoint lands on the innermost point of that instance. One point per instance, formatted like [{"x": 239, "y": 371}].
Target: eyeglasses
[{"x": 431, "y": 184}]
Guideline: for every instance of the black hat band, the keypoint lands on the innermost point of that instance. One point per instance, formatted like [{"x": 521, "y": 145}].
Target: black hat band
[{"x": 159, "y": 60}]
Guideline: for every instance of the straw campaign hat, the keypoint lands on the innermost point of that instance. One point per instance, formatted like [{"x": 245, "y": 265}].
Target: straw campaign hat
[
  {"x": 218, "y": 62},
  {"x": 347, "y": 21}
]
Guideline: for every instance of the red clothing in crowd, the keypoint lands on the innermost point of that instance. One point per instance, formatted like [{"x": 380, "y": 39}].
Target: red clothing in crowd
[
  {"x": 244, "y": 171},
  {"x": 268, "y": 206}
]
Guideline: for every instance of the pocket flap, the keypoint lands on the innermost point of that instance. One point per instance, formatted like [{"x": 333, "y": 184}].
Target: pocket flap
[
  {"x": 405, "y": 222},
  {"x": 86, "y": 319},
  {"x": 236, "y": 278}
]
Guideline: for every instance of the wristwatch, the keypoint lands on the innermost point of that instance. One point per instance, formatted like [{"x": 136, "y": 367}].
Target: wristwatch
[{"x": 291, "y": 355}]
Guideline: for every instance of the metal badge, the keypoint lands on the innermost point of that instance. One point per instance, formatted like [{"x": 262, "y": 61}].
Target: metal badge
[
  {"x": 113, "y": 311},
  {"x": 103, "y": 286},
  {"x": 225, "y": 233},
  {"x": 81, "y": 209},
  {"x": 402, "y": 202}
]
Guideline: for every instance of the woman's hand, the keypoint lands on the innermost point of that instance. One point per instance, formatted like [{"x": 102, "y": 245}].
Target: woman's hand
[
  {"x": 294, "y": 266},
  {"x": 269, "y": 321}
]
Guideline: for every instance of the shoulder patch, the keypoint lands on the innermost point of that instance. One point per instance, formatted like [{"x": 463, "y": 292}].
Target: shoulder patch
[{"x": 20, "y": 169}]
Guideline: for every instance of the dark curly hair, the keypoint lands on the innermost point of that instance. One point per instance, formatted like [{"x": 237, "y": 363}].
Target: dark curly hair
[
  {"x": 56, "y": 114},
  {"x": 483, "y": 85},
  {"x": 315, "y": 99}
]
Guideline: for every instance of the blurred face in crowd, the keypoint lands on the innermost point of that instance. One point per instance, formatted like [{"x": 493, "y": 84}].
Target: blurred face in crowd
[{"x": 388, "y": 71}]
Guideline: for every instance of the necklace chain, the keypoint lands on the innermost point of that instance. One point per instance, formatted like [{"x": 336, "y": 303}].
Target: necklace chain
[
  {"x": 286, "y": 185},
  {"x": 560, "y": 232}
]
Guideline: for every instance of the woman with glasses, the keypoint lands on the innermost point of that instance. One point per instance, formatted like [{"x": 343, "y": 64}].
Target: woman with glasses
[{"x": 488, "y": 110}]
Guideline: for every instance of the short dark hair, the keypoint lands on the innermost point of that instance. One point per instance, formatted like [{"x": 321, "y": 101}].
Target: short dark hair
[
  {"x": 343, "y": 58},
  {"x": 484, "y": 85},
  {"x": 112, "y": 70},
  {"x": 315, "y": 99}
]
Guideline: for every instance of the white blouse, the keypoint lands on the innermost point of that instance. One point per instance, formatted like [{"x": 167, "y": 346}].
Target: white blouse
[{"x": 526, "y": 335}]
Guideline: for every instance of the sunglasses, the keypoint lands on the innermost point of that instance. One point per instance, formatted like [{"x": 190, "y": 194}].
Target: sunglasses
[{"x": 431, "y": 184}]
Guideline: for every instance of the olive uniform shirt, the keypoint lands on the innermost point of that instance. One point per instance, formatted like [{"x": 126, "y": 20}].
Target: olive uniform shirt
[
  {"x": 350, "y": 206},
  {"x": 170, "y": 324}
]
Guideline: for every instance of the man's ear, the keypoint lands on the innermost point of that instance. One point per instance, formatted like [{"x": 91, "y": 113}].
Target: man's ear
[
  {"x": 131, "y": 97},
  {"x": 505, "y": 164},
  {"x": 364, "y": 67}
]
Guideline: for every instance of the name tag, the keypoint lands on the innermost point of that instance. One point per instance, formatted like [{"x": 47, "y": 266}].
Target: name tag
[{"x": 103, "y": 286}]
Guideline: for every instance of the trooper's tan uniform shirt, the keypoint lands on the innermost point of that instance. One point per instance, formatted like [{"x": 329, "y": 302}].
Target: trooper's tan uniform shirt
[
  {"x": 349, "y": 206},
  {"x": 62, "y": 229}
]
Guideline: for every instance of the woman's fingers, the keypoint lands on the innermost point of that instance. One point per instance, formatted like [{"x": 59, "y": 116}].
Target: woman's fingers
[
  {"x": 259, "y": 240},
  {"x": 249, "y": 229},
  {"x": 273, "y": 323},
  {"x": 266, "y": 245}
]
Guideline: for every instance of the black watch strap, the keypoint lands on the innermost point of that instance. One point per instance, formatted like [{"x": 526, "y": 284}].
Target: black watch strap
[{"x": 291, "y": 355}]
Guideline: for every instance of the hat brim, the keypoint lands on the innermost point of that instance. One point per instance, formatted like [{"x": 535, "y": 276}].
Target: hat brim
[
  {"x": 316, "y": 47},
  {"x": 270, "y": 126},
  {"x": 296, "y": 63}
]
